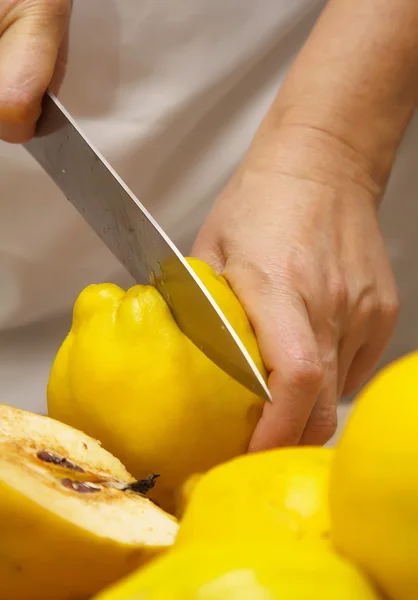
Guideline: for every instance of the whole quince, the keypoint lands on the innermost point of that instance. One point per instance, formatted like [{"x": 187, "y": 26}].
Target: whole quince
[
  {"x": 129, "y": 377},
  {"x": 237, "y": 571},
  {"x": 374, "y": 485},
  {"x": 274, "y": 496}
]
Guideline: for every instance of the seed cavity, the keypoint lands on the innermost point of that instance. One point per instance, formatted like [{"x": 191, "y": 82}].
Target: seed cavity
[
  {"x": 80, "y": 486},
  {"x": 116, "y": 485},
  {"x": 142, "y": 486},
  {"x": 55, "y": 459}
]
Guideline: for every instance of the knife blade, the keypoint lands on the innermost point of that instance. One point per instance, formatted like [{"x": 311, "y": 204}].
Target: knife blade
[{"x": 136, "y": 240}]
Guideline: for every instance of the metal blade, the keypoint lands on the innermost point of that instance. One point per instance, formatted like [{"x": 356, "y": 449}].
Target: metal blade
[{"x": 137, "y": 241}]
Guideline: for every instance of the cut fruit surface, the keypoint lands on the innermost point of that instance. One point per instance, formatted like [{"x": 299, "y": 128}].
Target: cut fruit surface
[
  {"x": 37, "y": 432},
  {"x": 70, "y": 520}
]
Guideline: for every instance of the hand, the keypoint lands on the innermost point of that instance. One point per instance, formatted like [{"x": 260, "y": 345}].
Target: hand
[
  {"x": 33, "y": 49},
  {"x": 296, "y": 234}
]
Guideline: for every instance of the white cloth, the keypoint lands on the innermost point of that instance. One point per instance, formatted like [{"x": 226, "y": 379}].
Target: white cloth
[{"x": 171, "y": 91}]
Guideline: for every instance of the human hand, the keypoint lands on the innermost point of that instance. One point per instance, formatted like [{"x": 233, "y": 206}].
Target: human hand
[
  {"x": 33, "y": 48},
  {"x": 296, "y": 234}
]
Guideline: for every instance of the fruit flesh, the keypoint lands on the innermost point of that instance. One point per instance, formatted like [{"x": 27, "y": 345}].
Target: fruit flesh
[
  {"x": 57, "y": 542},
  {"x": 32, "y": 430},
  {"x": 135, "y": 520}
]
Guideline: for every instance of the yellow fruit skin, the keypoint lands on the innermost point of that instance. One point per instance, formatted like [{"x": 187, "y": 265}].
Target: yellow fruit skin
[
  {"x": 374, "y": 484},
  {"x": 126, "y": 375},
  {"x": 185, "y": 493},
  {"x": 244, "y": 572},
  {"x": 44, "y": 557},
  {"x": 277, "y": 495}
]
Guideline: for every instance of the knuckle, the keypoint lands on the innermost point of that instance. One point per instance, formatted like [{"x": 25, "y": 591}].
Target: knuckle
[
  {"x": 45, "y": 7},
  {"x": 389, "y": 308},
  {"x": 385, "y": 307},
  {"x": 337, "y": 293},
  {"x": 325, "y": 429},
  {"x": 323, "y": 426},
  {"x": 18, "y": 107},
  {"x": 368, "y": 304},
  {"x": 306, "y": 375}
]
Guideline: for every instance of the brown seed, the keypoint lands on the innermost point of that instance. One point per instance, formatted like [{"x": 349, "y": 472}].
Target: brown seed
[
  {"x": 56, "y": 459},
  {"x": 80, "y": 486}
]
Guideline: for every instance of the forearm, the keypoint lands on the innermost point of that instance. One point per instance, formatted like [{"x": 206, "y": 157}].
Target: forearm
[{"x": 355, "y": 81}]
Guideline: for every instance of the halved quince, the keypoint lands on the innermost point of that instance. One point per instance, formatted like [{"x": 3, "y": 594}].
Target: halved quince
[{"x": 72, "y": 519}]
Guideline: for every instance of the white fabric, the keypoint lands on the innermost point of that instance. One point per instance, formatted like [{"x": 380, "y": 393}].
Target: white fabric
[{"x": 171, "y": 91}]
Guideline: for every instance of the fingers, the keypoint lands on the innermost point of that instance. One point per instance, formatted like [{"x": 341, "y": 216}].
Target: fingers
[
  {"x": 376, "y": 339},
  {"x": 320, "y": 334},
  {"x": 294, "y": 387},
  {"x": 290, "y": 352},
  {"x": 322, "y": 422},
  {"x": 348, "y": 362},
  {"x": 31, "y": 36}
]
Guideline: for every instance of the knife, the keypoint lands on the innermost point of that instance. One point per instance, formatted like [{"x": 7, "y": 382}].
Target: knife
[{"x": 138, "y": 242}]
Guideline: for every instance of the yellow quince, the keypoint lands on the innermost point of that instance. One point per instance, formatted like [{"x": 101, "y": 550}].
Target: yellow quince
[
  {"x": 129, "y": 377},
  {"x": 277, "y": 495},
  {"x": 237, "y": 571},
  {"x": 374, "y": 485}
]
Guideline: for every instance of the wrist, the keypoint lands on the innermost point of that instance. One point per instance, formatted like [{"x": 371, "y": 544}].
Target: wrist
[
  {"x": 312, "y": 153},
  {"x": 362, "y": 139},
  {"x": 355, "y": 82}
]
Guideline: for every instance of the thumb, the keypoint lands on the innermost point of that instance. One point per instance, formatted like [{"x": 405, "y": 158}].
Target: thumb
[
  {"x": 291, "y": 355},
  {"x": 31, "y": 34}
]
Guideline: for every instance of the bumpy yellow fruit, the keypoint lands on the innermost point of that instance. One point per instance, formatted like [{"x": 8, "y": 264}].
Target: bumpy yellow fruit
[
  {"x": 276, "y": 495},
  {"x": 374, "y": 484},
  {"x": 237, "y": 571},
  {"x": 128, "y": 376},
  {"x": 71, "y": 521}
]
